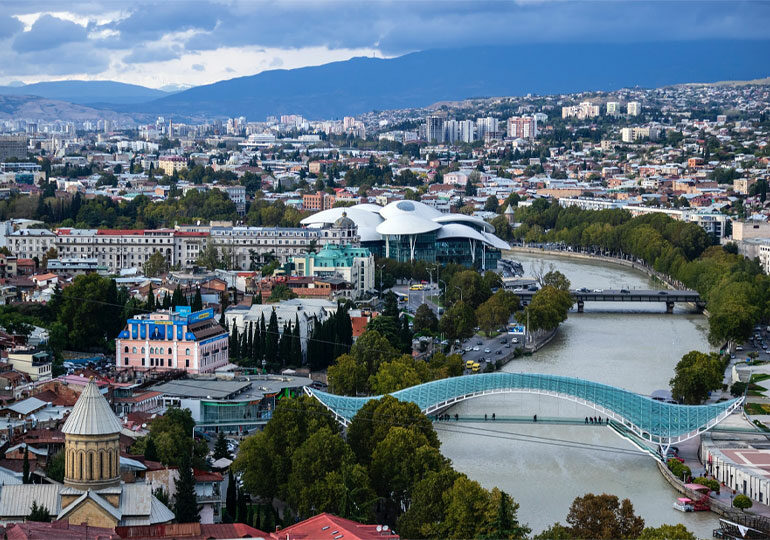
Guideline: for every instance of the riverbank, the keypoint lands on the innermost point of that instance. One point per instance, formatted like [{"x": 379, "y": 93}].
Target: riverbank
[{"x": 641, "y": 267}]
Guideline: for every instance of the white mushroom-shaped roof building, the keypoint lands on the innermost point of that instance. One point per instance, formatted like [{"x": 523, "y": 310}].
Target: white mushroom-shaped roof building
[{"x": 401, "y": 219}]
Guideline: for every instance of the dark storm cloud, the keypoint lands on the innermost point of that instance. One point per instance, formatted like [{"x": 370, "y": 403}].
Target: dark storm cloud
[
  {"x": 391, "y": 26},
  {"x": 48, "y": 32}
]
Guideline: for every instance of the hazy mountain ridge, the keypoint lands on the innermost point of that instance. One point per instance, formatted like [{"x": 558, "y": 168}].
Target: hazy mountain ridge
[
  {"x": 102, "y": 93},
  {"x": 420, "y": 79}
]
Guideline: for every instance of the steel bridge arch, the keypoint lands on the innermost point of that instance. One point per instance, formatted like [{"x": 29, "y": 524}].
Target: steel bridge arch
[{"x": 655, "y": 422}]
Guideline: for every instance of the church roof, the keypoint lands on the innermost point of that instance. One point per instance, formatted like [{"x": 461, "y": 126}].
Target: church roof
[{"x": 91, "y": 415}]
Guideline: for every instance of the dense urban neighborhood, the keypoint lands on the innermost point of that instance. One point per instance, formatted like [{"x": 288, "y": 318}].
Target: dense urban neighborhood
[{"x": 264, "y": 327}]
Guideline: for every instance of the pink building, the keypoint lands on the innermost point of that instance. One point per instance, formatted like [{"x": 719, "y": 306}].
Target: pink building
[{"x": 194, "y": 342}]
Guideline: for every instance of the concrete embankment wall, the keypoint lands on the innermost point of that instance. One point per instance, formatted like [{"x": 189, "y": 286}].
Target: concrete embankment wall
[{"x": 593, "y": 258}]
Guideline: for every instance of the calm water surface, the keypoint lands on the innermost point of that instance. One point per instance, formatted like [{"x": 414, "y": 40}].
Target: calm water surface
[{"x": 637, "y": 350}]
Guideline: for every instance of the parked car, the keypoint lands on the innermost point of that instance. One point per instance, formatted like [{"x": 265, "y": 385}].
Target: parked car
[{"x": 487, "y": 350}]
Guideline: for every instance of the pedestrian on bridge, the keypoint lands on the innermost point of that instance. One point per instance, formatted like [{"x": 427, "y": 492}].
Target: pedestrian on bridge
[{"x": 493, "y": 416}]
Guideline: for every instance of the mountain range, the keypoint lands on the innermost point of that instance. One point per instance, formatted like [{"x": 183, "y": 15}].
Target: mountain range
[{"x": 419, "y": 79}]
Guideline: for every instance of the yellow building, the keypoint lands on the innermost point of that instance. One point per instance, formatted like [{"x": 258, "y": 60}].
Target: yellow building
[{"x": 92, "y": 492}]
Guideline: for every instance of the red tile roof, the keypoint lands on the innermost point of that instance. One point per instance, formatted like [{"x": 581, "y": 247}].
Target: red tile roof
[
  {"x": 63, "y": 530},
  {"x": 330, "y": 527},
  {"x": 190, "y": 531}
]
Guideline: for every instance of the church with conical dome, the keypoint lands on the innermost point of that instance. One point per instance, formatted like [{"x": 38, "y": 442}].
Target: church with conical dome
[{"x": 92, "y": 491}]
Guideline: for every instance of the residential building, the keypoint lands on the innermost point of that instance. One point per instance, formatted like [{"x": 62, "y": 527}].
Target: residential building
[
  {"x": 634, "y": 108},
  {"x": 13, "y": 146},
  {"x": 743, "y": 185},
  {"x": 467, "y": 130},
  {"x": 353, "y": 264},
  {"x": 36, "y": 364},
  {"x": 613, "y": 108},
  {"x": 31, "y": 243},
  {"x": 586, "y": 109},
  {"x": 317, "y": 201},
  {"x": 210, "y": 490},
  {"x": 320, "y": 525},
  {"x": 524, "y": 127},
  {"x": 744, "y": 230},
  {"x": 434, "y": 129},
  {"x": 164, "y": 340},
  {"x": 170, "y": 164}
]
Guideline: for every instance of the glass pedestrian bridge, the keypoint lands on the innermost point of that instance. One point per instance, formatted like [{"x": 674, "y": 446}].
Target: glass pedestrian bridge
[{"x": 656, "y": 422}]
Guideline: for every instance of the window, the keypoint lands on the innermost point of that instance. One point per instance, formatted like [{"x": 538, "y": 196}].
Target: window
[
  {"x": 133, "y": 349},
  {"x": 187, "y": 363},
  {"x": 142, "y": 350},
  {"x": 126, "y": 349},
  {"x": 187, "y": 352},
  {"x": 169, "y": 350}
]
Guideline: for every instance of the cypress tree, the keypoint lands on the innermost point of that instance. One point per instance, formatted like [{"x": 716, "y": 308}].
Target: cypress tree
[
  {"x": 258, "y": 298},
  {"x": 242, "y": 508},
  {"x": 197, "y": 301},
  {"x": 150, "y": 299},
  {"x": 271, "y": 340},
  {"x": 166, "y": 301},
  {"x": 231, "y": 497},
  {"x": 224, "y": 302},
  {"x": 250, "y": 342},
  {"x": 25, "y": 471},
  {"x": 262, "y": 337},
  {"x": 235, "y": 343},
  {"x": 150, "y": 451},
  {"x": 256, "y": 353},
  {"x": 185, "y": 500}
]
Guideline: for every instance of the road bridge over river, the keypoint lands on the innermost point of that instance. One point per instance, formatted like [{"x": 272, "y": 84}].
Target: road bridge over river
[{"x": 581, "y": 296}]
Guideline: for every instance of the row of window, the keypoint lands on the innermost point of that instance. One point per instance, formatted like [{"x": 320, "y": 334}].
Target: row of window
[{"x": 154, "y": 350}]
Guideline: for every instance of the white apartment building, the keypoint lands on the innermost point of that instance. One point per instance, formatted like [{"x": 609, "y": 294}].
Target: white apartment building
[
  {"x": 613, "y": 108},
  {"x": 586, "y": 109},
  {"x": 467, "y": 131},
  {"x": 31, "y": 243},
  {"x": 634, "y": 108}
]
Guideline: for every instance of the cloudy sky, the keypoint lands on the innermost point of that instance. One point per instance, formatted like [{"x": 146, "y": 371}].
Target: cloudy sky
[{"x": 190, "y": 42}]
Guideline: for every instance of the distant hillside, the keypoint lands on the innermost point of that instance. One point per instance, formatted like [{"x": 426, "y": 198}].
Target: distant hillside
[
  {"x": 99, "y": 93},
  {"x": 420, "y": 79},
  {"x": 37, "y": 108}
]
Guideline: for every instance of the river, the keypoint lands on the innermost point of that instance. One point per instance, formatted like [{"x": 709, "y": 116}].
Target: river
[{"x": 636, "y": 350}]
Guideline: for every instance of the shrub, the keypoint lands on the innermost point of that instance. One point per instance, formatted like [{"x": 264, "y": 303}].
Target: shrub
[
  {"x": 678, "y": 468},
  {"x": 710, "y": 483},
  {"x": 742, "y": 502}
]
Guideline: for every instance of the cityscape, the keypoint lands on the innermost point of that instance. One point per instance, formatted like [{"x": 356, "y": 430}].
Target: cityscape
[{"x": 298, "y": 270}]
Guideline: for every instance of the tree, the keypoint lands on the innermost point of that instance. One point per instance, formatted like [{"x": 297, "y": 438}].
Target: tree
[
  {"x": 468, "y": 286},
  {"x": 667, "y": 532},
  {"x": 556, "y": 279},
  {"x": 391, "y": 305},
  {"x": 396, "y": 375},
  {"x": 25, "y": 467},
  {"x": 150, "y": 452},
  {"x": 197, "y": 301},
  {"x": 742, "y": 501},
  {"x": 38, "y": 513},
  {"x": 459, "y": 321},
  {"x": 347, "y": 376},
  {"x": 491, "y": 204},
  {"x": 220, "y": 447},
  {"x": 209, "y": 257},
  {"x": 156, "y": 265},
  {"x": 231, "y": 499},
  {"x": 548, "y": 308},
  {"x": 425, "y": 320},
  {"x": 281, "y": 292},
  {"x": 603, "y": 517},
  {"x": 87, "y": 312},
  {"x": 502, "y": 519},
  {"x": 55, "y": 467},
  {"x": 185, "y": 499},
  {"x": 49, "y": 255},
  {"x": 557, "y": 531},
  {"x": 171, "y": 434},
  {"x": 696, "y": 375}
]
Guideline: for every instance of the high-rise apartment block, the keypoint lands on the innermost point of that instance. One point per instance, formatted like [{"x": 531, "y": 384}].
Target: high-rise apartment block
[
  {"x": 13, "y": 147},
  {"x": 522, "y": 127},
  {"x": 585, "y": 110},
  {"x": 434, "y": 129},
  {"x": 613, "y": 108},
  {"x": 634, "y": 108}
]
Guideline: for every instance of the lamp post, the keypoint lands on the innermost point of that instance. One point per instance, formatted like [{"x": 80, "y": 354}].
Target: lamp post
[{"x": 461, "y": 292}]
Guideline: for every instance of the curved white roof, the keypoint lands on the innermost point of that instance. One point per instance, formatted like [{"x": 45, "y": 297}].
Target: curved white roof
[
  {"x": 91, "y": 414},
  {"x": 456, "y": 230},
  {"x": 407, "y": 224},
  {"x": 462, "y": 218},
  {"x": 408, "y": 217},
  {"x": 494, "y": 241},
  {"x": 409, "y": 208},
  {"x": 369, "y": 207},
  {"x": 365, "y": 220}
]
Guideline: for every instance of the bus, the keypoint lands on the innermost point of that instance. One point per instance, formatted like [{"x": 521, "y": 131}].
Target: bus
[
  {"x": 417, "y": 287},
  {"x": 402, "y": 298}
]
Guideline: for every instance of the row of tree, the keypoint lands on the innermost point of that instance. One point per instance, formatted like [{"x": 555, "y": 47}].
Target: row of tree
[
  {"x": 735, "y": 288},
  {"x": 256, "y": 341}
]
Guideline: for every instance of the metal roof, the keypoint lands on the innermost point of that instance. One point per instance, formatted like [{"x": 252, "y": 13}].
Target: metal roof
[
  {"x": 91, "y": 415},
  {"x": 27, "y": 406},
  {"x": 17, "y": 500}
]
